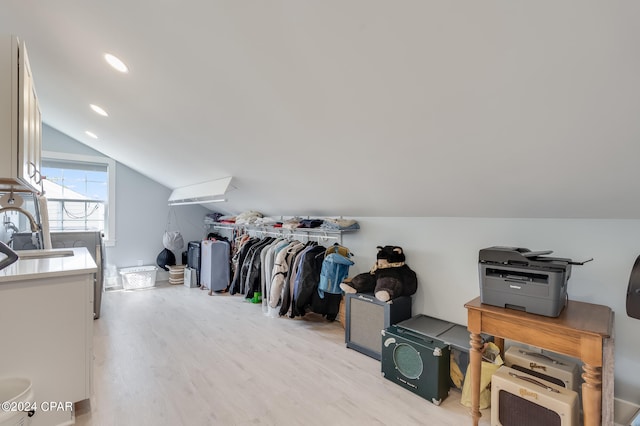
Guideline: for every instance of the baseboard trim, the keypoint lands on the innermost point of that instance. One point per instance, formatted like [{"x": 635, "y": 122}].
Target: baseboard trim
[{"x": 624, "y": 412}]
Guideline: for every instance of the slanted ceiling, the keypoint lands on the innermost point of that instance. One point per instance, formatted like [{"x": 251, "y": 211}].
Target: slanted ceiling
[{"x": 355, "y": 107}]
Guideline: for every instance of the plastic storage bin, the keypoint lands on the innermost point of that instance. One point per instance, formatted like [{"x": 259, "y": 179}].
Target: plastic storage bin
[{"x": 138, "y": 277}]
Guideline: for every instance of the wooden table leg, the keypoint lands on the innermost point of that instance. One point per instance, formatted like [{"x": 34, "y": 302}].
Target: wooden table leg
[
  {"x": 475, "y": 364},
  {"x": 592, "y": 395},
  {"x": 499, "y": 342}
]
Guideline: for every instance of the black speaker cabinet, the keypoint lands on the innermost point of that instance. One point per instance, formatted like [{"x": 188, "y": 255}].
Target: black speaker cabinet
[
  {"x": 416, "y": 362},
  {"x": 367, "y": 316}
]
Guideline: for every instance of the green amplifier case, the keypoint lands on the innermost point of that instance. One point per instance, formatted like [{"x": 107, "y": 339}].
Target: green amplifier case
[
  {"x": 416, "y": 362},
  {"x": 455, "y": 335}
]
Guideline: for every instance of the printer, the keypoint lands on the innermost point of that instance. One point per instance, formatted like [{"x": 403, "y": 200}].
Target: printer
[{"x": 518, "y": 278}]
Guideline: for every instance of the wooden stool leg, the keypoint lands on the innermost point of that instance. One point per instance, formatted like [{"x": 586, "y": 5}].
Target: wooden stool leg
[{"x": 592, "y": 395}]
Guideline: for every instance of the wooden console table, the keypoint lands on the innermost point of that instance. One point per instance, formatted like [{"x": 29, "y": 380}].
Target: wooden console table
[{"x": 580, "y": 331}]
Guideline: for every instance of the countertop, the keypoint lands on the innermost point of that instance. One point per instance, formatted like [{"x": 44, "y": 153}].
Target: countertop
[{"x": 27, "y": 269}]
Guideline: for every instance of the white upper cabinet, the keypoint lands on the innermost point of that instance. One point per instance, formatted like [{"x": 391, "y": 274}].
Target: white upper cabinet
[{"x": 20, "y": 120}]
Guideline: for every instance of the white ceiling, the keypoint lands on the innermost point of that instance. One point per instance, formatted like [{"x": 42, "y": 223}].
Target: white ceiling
[{"x": 355, "y": 107}]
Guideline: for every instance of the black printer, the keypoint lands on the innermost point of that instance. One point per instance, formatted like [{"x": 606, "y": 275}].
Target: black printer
[{"x": 518, "y": 278}]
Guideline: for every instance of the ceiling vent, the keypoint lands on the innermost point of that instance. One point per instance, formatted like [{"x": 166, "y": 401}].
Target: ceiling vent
[{"x": 212, "y": 191}]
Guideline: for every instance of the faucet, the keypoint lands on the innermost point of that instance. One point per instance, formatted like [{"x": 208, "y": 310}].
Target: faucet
[
  {"x": 11, "y": 256},
  {"x": 34, "y": 225},
  {"x": 9, "y": 226}
]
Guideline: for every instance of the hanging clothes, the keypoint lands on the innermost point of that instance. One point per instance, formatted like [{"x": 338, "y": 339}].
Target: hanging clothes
[
  {"x": 287, "y": 291},
  {"x": 281, "y": 270},
  {"x": 307, "y": 279},
  {"x": 252, "y": 283},
  {"x": 238, "y": 278},
  {"x": 268, "y": 268}
]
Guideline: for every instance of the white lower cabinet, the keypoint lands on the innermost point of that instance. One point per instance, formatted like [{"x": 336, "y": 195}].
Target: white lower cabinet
[{"x": 46, "y": 335}]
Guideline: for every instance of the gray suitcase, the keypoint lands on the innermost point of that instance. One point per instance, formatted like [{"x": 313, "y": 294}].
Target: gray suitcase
[{"x": 214, "y": 265}]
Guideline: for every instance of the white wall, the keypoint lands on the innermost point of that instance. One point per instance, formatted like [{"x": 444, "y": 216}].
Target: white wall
[
  {"x": 444, "y": 254},
  {"x": 442, "y": 251},
  {"x": 142, "y": 213},
  {"x": 141, "y": 209}
]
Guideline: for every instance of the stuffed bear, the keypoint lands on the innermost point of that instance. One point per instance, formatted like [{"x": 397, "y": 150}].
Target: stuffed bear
[{"x": 389, "y": 278}]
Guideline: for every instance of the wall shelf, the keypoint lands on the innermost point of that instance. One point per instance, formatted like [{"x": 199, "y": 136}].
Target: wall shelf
[{"x": 317, "y": 234}]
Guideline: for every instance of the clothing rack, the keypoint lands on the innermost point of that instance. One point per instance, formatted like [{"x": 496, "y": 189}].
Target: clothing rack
[{"x": 317, "y": 234}]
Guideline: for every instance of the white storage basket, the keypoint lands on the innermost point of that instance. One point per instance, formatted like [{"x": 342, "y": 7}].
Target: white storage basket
[{"x": 138, "y": 277}]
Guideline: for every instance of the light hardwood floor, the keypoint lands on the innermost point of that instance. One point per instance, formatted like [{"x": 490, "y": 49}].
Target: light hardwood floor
[{"x": 176, "y": 356}]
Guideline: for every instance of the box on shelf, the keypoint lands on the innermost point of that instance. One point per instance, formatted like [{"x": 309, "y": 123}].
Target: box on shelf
[{"x": 138, "y": 277}]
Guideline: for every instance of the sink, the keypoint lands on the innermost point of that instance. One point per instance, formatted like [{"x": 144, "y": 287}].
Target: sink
[
  {"x": 16, "y": 392},
  {"x": 14, "y": 388},
  {"x": 44, "y": 254}
]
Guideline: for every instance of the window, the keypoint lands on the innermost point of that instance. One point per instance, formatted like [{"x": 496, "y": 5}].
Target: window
[{"x": 80, "y": 193}]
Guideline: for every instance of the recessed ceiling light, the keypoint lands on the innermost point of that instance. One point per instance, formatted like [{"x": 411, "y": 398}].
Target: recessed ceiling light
[
  {"x": 99, "y": 110},
  {"x": 116, "y": 63},
  {"x": 91, "y": 134}
]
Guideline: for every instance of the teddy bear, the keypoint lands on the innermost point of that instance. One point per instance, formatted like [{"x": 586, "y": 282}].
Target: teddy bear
[{"x": 389, "y": 278}]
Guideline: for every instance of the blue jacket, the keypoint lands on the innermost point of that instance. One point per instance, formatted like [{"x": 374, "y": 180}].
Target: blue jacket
[{"x": 335, "y": 268}]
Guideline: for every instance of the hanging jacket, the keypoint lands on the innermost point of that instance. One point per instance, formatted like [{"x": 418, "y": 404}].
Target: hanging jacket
[
  {"x": 247, "y": 265},
  {"x": 237, "y": 277},
  {"x": 236, "y": 249},
  {"x": 252, "y": 283},
  {"x": 269, "y": 266},
  {"x": 266, "y": 264},
  {"x": 263, "y": 262},
  {"x": 280, "y": 271},
  {"x": 244, "y": 268},
  {"x": 335, "y": 268},
  {"x": 307, "y": 279},
  {"x": 294, "y": 277},
  {"x": 287, "y": 291}
]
